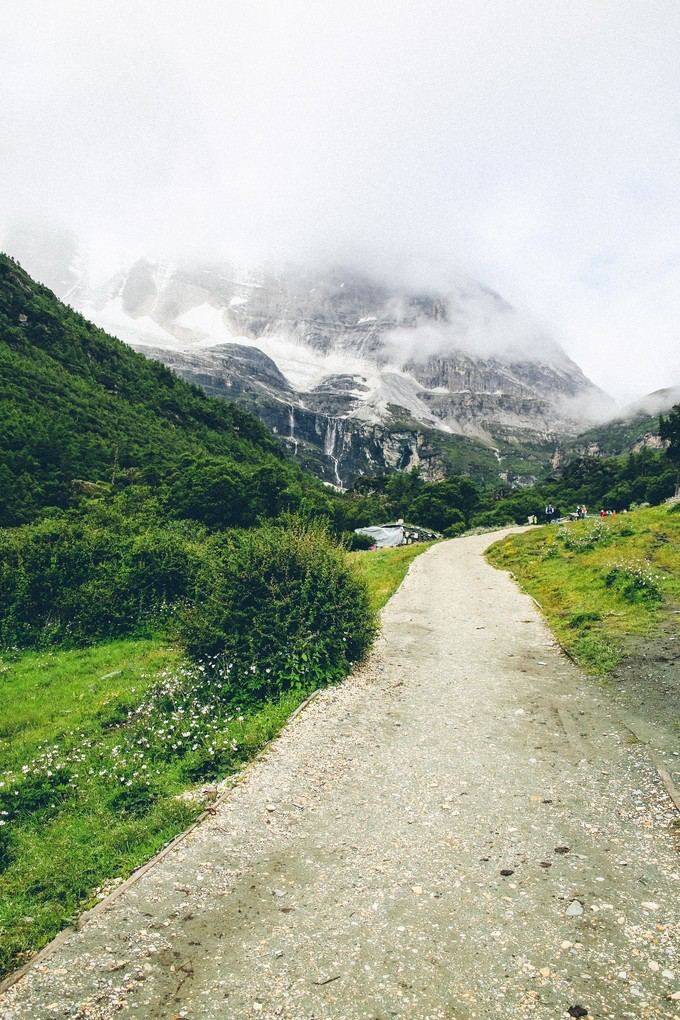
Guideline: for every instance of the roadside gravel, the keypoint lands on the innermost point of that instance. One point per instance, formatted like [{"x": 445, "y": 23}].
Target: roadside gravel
[{"x": 461, "y": 830}]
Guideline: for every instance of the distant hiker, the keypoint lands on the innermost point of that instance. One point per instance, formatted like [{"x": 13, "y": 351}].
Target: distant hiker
[
  {"x": 549, "y": 512},
  {"x": 584, "y": 512}
]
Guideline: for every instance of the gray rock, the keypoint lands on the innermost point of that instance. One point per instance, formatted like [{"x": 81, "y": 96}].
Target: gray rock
[{"x": 575, "y": 909}]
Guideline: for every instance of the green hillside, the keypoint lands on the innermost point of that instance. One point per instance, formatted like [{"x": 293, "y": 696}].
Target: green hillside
[
  {"x": 79, "y": 407},
  {"x": 614, "y": 438}
]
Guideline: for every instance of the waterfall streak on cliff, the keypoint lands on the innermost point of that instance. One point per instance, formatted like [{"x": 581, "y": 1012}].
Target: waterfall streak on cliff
[
  {"x": 291, "y": 426},
  {"x": 330, "y": 443}
]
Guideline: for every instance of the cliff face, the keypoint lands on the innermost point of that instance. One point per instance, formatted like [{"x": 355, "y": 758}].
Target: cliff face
[
  {"x": 338, "y": 448},
  {"x": 355, "y": 376}
]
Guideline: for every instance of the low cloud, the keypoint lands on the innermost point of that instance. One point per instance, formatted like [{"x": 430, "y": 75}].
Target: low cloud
[
  {"x": 479, "y": 324},
  {"x": 488, "y": 140}
]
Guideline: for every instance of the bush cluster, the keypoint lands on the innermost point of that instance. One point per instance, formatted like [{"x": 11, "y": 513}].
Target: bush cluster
[
  {"x": 86, "y": 576},
  {"x": 279, "y": 604},
  {"x": 277, "y": 607}
]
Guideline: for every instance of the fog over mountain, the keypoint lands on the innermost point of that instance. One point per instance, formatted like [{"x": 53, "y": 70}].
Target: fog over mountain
[
  {"x": 655, "y": 403},
  {"x": 468, "y": 141},
  {"x": 356, "y": 375}
]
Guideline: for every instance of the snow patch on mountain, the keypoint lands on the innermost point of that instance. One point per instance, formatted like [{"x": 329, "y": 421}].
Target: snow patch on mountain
[
  {"x": 142, "y": 330},
  {"x": 207, "y": 323}
]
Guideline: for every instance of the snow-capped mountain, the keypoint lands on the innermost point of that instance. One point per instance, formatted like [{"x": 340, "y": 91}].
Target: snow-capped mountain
[{"x": 354, "y": 375}]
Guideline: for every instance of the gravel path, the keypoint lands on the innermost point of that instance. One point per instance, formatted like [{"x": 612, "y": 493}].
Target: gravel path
[{"x": 462, "y": 830}]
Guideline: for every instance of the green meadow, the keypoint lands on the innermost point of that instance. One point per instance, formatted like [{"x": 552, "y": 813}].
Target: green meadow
[{"x": 601, "y": 582}]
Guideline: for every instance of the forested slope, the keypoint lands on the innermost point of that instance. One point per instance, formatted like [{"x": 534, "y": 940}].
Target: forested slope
[{"x": 77, "y": 404}]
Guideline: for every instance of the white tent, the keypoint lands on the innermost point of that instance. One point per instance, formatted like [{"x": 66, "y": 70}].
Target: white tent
[
  {"x": 390, "y": 535},
  {"x": 385, "y": 537}
]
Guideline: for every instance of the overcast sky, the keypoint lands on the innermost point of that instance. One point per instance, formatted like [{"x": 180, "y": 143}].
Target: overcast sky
[{"x": 533, "y": 144}]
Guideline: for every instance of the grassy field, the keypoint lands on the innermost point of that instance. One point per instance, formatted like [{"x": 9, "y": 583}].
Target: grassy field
[
  {"x": 383, "y": 570},
  {"x": 90, "y": 779},
  {"x": 47, "y": 693},
  {"x": 601, "y": 582},
  {"x": 78, "y": 810}
]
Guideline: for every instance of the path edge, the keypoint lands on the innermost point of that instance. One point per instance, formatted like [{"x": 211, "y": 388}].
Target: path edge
[{"x": 102, "y": 905}]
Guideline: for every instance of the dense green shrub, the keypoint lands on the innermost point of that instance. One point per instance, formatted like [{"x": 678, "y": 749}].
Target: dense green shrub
[
  {"x": 83, "y": 576},
  {"x": 455, "y": 529},
  {"x": 358, "y": 543},
  {"x": 277, "y": 607},
  {"x": 499, "y": 518},
  {"x": 661, "y": 488}
]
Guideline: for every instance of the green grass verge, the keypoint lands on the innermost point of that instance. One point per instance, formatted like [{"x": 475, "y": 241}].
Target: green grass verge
[
  {"x": 383, "y": 570},
  {"x": 600, "y": 582},
  {"x": 70, "y": 839},
  {"x": 48, "y": 693}
]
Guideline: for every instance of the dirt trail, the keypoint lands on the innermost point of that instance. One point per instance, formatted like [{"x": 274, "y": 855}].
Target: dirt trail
[{"x": 357, "y": 870}]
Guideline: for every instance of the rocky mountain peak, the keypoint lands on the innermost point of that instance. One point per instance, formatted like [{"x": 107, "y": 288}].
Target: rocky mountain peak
[{"x": 354, "y": 374}]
